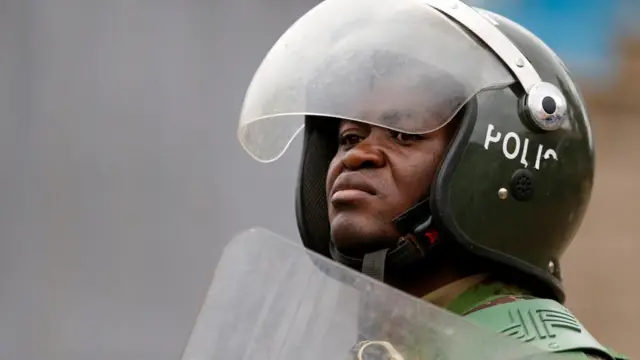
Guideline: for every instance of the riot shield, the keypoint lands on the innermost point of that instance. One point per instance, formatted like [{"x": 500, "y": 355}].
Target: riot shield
[{"x": 271, "y": 299}]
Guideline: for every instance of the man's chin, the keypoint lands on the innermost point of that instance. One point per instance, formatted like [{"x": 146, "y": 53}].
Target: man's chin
[{"x": 356, "y": 235}]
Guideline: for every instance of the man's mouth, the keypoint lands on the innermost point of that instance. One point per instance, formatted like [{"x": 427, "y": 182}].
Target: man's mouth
[{"x": 350, "y": 187}]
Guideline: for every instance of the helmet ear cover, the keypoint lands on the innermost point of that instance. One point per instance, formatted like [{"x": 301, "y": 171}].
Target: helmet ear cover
[
  {"x": 475, "y": 256},
  {"x": 319, "y": 146}
]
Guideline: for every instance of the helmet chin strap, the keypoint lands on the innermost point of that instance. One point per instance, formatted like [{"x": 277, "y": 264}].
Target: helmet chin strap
[{"x": 418, "y": 238}]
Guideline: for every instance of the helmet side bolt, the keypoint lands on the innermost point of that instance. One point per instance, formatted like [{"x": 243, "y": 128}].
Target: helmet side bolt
[{"x": 503, "y": 194}]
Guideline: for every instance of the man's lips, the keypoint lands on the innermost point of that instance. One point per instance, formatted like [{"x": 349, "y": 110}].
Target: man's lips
[{"x": 351, "y": 186}]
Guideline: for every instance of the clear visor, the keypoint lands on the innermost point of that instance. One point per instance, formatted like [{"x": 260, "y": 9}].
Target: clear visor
[{"x": 399, "y": 64}]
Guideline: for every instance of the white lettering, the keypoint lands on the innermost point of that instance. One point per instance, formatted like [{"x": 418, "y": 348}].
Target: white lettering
[
  {"x": 551, "y": 153},
  {"x": 491, "y": 139},
  {"x": 538, "y": 157},
  {"x": 525, "y": 150},
  {"x": 511, "y": 147},
  {"x": 505, "y": 145}
]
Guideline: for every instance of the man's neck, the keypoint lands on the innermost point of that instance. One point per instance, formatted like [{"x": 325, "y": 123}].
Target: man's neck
[
  {"x": 430, "y": 279},
  {"x": 447, "y": 295}
]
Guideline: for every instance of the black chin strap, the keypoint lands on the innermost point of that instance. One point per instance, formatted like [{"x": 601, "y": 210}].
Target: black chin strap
[{"x": 415, "y": 223}]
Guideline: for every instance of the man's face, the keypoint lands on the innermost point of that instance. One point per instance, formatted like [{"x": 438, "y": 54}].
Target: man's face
[{"x": 375, "y": 175}]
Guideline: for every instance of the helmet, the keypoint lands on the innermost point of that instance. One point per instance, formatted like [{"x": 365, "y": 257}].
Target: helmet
[{"x": 516, "y": 180}]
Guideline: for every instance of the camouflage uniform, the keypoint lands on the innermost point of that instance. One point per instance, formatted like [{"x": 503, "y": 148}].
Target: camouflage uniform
[{"x": 516, "y": 313}]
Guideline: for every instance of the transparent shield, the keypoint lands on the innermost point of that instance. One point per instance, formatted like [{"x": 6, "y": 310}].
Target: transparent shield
[
  {"x": 399, "y": 64},
  {"x": 272, "y": 300}
]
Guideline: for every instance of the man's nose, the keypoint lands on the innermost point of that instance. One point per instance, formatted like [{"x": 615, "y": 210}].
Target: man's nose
[{"x": 366, "y": 154}]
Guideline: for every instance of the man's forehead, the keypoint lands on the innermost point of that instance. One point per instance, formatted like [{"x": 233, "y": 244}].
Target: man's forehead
[{"x": 402, "y": 109}]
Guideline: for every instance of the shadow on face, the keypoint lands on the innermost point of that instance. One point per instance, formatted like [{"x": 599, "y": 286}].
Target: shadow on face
[{"x": 375, "y": 175}]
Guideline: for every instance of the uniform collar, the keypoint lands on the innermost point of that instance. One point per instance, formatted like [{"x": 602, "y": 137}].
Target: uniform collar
[{"x": 465, "y": 294}]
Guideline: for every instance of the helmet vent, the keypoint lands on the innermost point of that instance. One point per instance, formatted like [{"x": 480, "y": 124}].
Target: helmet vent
[{"x": 522, "y": 188}]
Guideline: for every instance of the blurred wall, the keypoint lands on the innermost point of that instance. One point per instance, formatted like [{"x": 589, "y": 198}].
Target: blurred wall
[
  {"x": 601, "y": 267},
  {"x": 121, "y": 178}
]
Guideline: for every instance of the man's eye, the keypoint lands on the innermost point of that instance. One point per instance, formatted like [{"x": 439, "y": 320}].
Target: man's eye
[
  {"x": 350, "y": 139},
  {"x": 406, "y": 138}
]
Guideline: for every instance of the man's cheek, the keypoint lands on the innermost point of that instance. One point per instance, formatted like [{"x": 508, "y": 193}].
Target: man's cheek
[{"x": 331, "y": 177}]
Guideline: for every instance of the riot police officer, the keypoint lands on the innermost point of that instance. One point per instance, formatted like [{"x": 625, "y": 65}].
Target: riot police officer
[{"x": 447, "y": 152}]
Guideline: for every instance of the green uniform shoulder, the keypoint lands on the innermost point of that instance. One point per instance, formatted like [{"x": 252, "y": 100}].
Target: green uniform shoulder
[{"x": 541, "y": 322}]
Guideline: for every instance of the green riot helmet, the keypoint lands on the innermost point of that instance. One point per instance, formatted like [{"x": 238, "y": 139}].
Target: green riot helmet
[{"x": 516, "y": 179}]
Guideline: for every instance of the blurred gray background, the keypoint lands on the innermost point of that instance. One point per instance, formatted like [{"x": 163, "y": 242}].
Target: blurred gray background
[
  {"x": 121, "y": 178},
  {"x": 120, "y": 175}
]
